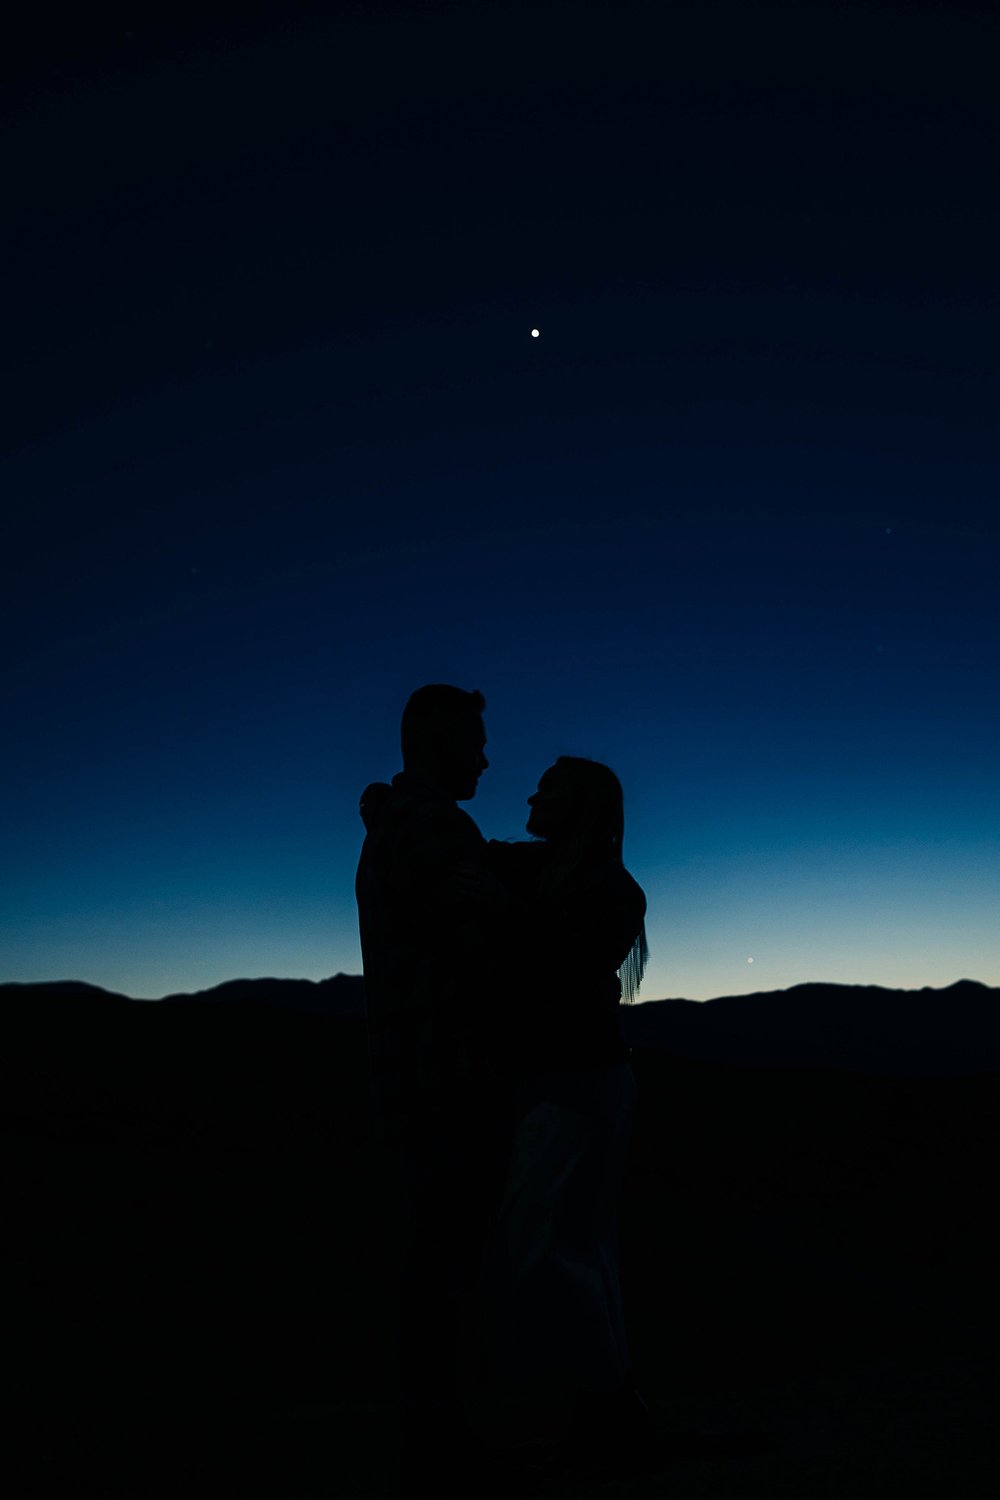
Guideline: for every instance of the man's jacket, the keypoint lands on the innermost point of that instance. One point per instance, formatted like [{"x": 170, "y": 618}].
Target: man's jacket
[{"x": 429, "y": 957}]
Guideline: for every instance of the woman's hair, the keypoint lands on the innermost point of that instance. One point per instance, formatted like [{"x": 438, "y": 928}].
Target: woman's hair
[
  {"x": 599, "y": 812},
  {"x": 634, "y": 967},
  {"x": 599, "y": 832}
]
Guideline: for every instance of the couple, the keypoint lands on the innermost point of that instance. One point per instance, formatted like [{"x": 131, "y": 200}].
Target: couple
[{"x": 493, "y": 973}]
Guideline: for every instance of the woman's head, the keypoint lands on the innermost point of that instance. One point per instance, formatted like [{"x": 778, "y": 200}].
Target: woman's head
[
  {"x": 580, "y": 812},
  {"x": 579, "y": 802}
]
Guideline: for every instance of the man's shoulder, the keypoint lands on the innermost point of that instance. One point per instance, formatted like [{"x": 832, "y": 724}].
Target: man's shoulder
[{"x": 427, "y": 828}]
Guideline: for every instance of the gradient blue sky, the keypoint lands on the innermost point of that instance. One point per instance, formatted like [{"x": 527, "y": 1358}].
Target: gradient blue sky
[{"x": 280, "y": 447}]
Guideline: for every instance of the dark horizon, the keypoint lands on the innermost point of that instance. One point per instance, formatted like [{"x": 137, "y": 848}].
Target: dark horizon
[{"x": 358, "y": 979}]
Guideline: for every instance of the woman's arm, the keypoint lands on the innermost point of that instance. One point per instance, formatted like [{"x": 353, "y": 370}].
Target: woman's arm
[{"x": 601, "y": 921}]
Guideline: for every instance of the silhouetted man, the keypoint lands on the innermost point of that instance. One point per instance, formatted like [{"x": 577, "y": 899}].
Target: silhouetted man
[{"x": 427, "y": 961}]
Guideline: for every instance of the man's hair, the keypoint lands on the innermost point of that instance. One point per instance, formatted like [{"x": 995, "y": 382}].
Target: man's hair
[{"x": 435, "y": 710}]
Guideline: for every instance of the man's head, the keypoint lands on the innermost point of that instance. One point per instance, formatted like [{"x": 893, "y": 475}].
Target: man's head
[{"x": 443, "y": 738}]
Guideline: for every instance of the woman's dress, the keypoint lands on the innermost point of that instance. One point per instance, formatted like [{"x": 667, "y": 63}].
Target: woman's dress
[{"x": 549, "y": 1319}]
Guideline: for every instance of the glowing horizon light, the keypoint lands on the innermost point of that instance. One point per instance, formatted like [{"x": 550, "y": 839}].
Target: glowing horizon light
[{"x": 534, "y": 333}]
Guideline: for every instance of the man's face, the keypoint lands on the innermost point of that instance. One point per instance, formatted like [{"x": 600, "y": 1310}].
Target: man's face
[{"x": 464, "y": 760}]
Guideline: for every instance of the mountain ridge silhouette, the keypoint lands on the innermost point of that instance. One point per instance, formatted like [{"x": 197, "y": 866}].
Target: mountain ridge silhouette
[{"x": 954, "y": 1029}]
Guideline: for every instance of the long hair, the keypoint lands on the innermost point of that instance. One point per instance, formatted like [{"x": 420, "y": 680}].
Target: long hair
[
  {"x": 634, "y": 967},
  {"x": 600, "y": 834}
]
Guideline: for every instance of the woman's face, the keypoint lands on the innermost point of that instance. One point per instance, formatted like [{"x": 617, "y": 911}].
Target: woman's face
[{"x": 554, "y": 807}]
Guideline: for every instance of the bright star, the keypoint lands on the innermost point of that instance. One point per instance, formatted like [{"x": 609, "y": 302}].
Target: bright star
[{"x": 534, "y": 333}]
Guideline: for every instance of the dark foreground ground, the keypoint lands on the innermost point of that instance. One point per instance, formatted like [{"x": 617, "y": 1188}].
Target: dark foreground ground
[
  {"x": 880, "y": 1429},
  {"x": 902, "y": 1399},
  {"x": 199, "y": 1265}
]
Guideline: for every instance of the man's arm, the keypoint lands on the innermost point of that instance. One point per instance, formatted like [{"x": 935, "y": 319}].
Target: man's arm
[{"x": 438, "y": 844}]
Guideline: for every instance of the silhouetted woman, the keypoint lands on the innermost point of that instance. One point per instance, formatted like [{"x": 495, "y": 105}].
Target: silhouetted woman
[{"x": 552, "y": 1331}]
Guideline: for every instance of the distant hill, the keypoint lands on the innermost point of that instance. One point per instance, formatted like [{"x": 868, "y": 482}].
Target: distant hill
[
  {"x": 249, "y": 1061},
  {"x": 860, "y": 1028},
  {"x": 343, "y": 995}
]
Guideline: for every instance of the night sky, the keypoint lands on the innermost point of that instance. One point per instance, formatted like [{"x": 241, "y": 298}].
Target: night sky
[{"x": 279, "y": 447}]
